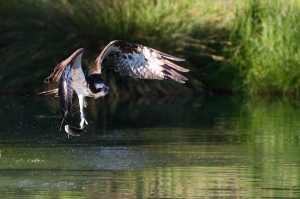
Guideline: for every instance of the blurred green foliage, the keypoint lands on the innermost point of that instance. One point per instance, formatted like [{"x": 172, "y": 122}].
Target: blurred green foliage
[
  {"x": 265, "y": 37},
  {"x": 37, "y": 35},
  {"x": 229, "y": 46}
]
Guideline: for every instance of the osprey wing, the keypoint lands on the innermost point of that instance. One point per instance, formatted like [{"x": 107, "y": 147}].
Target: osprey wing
[
  {"x": 65, "y": 91},
  {"x": 63, "y": 73},
  {"x": 138, "y": 61}
]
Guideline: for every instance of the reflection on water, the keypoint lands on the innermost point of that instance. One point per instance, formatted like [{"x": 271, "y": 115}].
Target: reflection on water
[{"x": 170, "y": 148}]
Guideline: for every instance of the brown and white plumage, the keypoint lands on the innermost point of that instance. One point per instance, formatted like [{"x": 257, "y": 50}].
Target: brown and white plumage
[
  {"x": 138, "y": 61},
  {"x": 127, "y": 58}
]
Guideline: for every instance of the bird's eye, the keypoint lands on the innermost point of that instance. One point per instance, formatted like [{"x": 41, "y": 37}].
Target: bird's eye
[{"x": 99, "y": 85}]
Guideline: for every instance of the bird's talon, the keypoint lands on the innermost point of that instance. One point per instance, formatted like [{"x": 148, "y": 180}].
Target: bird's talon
[{"x": 83, "y": 123}]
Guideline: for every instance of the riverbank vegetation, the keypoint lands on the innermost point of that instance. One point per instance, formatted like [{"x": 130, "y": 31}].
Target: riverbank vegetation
[{"x": 230, "y": 46}]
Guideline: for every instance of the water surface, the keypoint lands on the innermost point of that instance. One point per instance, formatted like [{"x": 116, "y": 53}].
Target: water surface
[{"x": 218, "y": 147}]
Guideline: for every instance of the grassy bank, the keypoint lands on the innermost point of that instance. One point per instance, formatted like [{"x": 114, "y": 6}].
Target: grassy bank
[
  {"x": 230, "y": 46},
  {"x": 266, "y": 43}
]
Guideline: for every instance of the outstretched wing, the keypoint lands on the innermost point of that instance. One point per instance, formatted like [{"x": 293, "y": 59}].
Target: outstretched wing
[
  {"x": 138, "y": 61},
  {"x": 65, "y": 91},
  {"x": 63, "y": 74}
]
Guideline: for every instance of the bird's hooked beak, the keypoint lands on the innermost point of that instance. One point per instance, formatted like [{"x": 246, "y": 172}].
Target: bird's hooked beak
[{"x": 102, "y": 87}]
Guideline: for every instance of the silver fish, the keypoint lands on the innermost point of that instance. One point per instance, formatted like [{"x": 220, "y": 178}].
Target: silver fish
[{"x": 70, "y": 130}]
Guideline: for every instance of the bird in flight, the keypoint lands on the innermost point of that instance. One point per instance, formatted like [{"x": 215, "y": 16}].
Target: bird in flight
[{"x": 126, "y": 58}]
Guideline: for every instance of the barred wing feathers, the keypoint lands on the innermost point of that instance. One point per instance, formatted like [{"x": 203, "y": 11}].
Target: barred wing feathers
[
  {"x": 58, "y": 70},
  {"x": 138, "y": 61},
  {"x": 65, "y": 91},
  {"x": 63, "y": 74}
]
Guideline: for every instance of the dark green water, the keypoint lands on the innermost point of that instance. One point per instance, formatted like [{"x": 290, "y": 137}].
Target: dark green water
[{"x": 171, "y": 148}]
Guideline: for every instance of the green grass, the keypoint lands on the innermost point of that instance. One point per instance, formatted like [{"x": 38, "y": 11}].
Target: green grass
[
  {"x": 265, "y": 37},
  {"x": 229, "y": 45}
]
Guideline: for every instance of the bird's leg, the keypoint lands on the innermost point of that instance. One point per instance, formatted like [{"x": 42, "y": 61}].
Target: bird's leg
[{"x": 82, "y": 103}]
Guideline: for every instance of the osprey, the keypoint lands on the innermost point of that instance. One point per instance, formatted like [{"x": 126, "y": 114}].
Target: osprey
[{"x": 127, "y": 58}]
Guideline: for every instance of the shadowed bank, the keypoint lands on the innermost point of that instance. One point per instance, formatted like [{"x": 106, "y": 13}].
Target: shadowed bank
[
  {"x": 230, "y": 46},
  {"x": 38, "y": 35}
]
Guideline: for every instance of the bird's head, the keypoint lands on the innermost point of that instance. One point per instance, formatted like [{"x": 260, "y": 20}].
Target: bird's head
[
  {"x": 96, "y": 85},
  {"x": 101, "y": 89}
]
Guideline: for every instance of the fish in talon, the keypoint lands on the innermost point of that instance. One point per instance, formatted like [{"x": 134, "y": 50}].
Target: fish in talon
[{"x": 70, "y": 130}]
